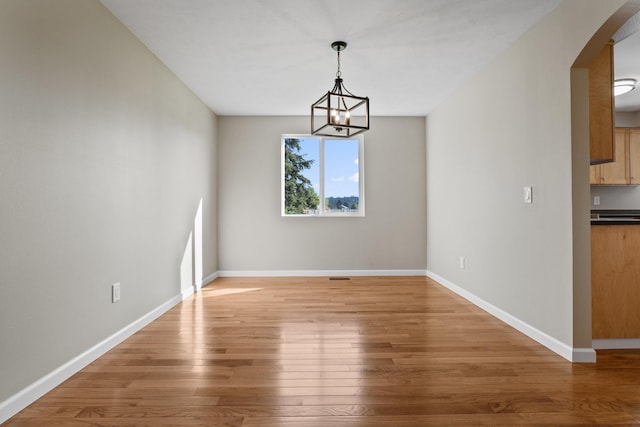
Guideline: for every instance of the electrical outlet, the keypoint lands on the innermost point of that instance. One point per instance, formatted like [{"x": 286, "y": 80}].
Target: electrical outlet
[
  {"x": 596, "y": 200},
  {"x": 115, "y": 292},
  {"x": 462, "y": 262}
]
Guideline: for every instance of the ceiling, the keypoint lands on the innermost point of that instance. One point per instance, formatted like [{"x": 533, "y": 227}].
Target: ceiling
[
  {"x": 626, "y": 54},
  {"x": 273, "y": 57}
]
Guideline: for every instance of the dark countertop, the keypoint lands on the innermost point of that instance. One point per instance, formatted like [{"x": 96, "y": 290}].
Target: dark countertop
[{"x": 615, "y": 217}]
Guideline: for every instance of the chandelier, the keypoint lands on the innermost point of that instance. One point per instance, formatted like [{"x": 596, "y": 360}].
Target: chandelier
[{"x": 339, "y": 113}]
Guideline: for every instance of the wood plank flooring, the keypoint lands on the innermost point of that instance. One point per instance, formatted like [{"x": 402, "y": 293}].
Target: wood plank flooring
[{"x": 369, "y": 351}]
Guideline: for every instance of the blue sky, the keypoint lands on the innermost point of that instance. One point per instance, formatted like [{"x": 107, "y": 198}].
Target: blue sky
[{"x": 341, "y": 165}]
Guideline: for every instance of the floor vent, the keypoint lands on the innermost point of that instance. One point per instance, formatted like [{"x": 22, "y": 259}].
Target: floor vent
[{"x": 339, "y": 278}]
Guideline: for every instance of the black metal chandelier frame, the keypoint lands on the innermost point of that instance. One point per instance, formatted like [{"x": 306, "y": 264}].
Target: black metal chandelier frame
[{"x": 339, "y": 113}]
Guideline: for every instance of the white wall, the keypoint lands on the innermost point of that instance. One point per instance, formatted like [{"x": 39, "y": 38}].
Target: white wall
[
  {"x": 256, "y": 238},
  {"x": 510, "y": 127},
  {"x": 104, "y": 158}
]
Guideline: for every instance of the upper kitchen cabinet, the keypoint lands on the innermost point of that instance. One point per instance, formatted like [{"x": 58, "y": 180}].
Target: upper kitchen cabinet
[
  {"x": 625, "y": 169},
  {"x": 616, "y": 172},
  {"x": 633, "y": 142},
  {"x": 601, "y": 107}
]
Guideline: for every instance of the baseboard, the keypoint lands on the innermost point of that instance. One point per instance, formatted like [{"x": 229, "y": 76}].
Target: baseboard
[
  {"x": 616, "y": 344},
  {"x": 210, "y": 278},
  {"x": 318, "y": 273},
  {"x": 580, "y": 355},
  {"x": 31, "y": 393},
  {"x": 199, "y": 285},
  {"x": 583, "y": 355},
  {"x": 187, "y": 293}
]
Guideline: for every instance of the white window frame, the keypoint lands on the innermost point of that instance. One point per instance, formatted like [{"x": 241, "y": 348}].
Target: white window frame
[{"x": 322, "y": 212}]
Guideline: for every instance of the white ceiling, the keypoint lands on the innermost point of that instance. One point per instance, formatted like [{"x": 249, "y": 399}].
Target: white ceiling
[
  {"x": 273, "y": 57},
  {"x": 626, "y": 54}
]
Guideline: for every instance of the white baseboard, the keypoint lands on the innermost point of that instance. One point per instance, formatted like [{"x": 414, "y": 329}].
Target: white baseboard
[
  {"x": 31, "y": 393},
  {"x": 616, "y": 344},
  {"x": 210, "y": 278},
  {"x": 187, "y": 293},
  {"x": 199, "y": 285},
  {"x": 318, "y": 273},
  {"x": 581, "y": 355}
]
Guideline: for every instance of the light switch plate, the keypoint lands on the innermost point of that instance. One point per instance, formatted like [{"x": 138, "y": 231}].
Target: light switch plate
[
  {"x": 528, "y": 194},
  {"x": 115, "y": 292}
]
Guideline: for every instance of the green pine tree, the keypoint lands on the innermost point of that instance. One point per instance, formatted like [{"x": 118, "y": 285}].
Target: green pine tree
[{"x": 299, "y": 195}]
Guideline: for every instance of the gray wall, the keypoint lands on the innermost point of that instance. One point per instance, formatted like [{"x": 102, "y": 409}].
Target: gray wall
[
  {"x": 616, "y": 196},
  {"x": 256, "y": 238},
  {"x": 510, "y": 127},
  {"x": 104, "y": 158},
  {"x": 628, "y": 120}
]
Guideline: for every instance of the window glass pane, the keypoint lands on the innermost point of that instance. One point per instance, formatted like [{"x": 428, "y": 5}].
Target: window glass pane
[
  {"x": 301, "y": 176},
  {"x": 341, "y": 176}
]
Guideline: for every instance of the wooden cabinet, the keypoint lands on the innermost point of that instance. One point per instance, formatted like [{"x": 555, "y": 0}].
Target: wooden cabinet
[
  {"x": 615, "y": 281},
  {"x": 601, "y": 106},
  {"x": 594, "y": 174},
  {"x": 633, "y": 154},
  {"x": 625, "y": 169},
  {"x": 613, "y": 173}
]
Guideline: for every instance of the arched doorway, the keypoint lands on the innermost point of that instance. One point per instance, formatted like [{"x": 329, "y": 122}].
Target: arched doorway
[{"x": 581, "y": 205}]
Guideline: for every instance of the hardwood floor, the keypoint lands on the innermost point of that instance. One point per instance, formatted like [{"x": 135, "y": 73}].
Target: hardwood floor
[{"x": 383, "y": 351}]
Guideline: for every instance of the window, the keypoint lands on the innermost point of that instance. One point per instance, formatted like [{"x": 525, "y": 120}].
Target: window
[{"x": 322, "y": 176}]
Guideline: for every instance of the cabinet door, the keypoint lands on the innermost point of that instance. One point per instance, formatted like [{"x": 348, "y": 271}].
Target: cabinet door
[
  {"x": 615, "y": 173},
  {"x": 595, "y": 175},
  {"x": 615, "y": 268},
  {"x": 634, "y": 156},
  {"x": 601, "y": 110}
]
